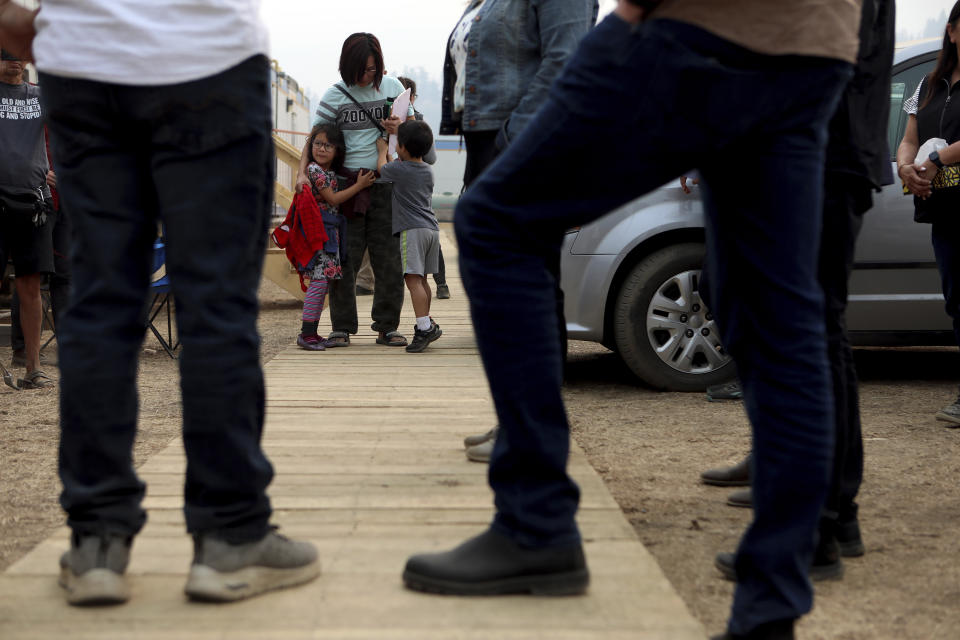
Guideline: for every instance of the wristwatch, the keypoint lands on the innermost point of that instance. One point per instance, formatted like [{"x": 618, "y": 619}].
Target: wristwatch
[{"x": 935, "y": 159}]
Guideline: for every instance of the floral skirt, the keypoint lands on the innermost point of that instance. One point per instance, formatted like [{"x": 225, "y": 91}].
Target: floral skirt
[{"x": 324, "y": 265}]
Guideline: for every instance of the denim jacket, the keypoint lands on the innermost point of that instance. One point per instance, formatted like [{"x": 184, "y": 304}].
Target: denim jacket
[{"x": 516, "y": 49}]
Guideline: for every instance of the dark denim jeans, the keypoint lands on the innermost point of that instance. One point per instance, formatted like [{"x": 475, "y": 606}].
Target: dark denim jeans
[
  {"x": 374, "y": 232},
  {"x": 198, "y": 158},
  {"x": 634, "y": 108}
]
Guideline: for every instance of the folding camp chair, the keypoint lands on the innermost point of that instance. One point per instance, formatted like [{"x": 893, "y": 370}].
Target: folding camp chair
[{"x": 162, "y": 300}]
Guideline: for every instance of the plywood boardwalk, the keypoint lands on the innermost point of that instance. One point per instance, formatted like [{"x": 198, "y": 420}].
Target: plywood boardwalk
[{"x": 366, "y": 442}]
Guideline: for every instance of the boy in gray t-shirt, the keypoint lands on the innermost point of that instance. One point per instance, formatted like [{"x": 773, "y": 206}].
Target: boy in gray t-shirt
[{"x": 414, "y": 221}]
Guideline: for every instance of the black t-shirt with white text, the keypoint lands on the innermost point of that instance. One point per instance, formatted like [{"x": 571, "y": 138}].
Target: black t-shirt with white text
[{"x": 23, "y": 162}]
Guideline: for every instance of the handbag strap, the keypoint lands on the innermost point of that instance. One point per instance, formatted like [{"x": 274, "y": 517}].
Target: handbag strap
[{"x": 362, "y": 108}]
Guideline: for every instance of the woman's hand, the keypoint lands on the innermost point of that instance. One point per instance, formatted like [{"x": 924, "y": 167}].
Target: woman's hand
[
  {"x": 51, "y": 179},
  {"x": 302, "y": 181},
  {"x": 391, "y": 124},
  {"x": 914, "y": 177},
  {"x": 366, "y": 178}
]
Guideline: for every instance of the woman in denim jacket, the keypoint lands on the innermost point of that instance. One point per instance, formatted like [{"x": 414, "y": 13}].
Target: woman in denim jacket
[{"x": 501, "y": 59}]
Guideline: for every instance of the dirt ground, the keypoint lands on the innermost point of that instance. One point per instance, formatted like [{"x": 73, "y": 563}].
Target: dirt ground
[{"x": 649, "y": 447}]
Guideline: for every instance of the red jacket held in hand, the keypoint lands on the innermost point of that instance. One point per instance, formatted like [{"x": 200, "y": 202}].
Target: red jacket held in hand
[{"x": 301, "y": 234}]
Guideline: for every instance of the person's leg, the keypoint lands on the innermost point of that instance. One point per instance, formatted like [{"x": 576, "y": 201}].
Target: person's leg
[
  {"x": 762, "y": 255},
  {"x": 16, "y": 331},
  {"x": 104, "y": 175},
  {"x": 214, "y": 274},
  {"x": 313, "y": 303},
  {"x": 384, "y": 250},
  {"x": 481, "y": 152},
  {"x": 846, "y": 199},
  {"x": 365, "y": 279},
  {"x": 419, "y": 293},
  {"x": 440, "y": 277},
  {"x": 60, "y": 279},
  {"x": 946, "y": 247},
  {"x": 343, "y": 292},
  {"x": 31, "y": 317}
]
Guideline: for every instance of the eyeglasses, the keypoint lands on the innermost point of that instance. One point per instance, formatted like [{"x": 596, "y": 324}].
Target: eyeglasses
[
  {"x": 324, "y": 146},
  {"x": 370, "y": 70}
]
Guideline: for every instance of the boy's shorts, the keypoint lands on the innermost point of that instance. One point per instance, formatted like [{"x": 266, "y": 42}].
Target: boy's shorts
[
  {"x": 30, "y": 247},
  {"x": 420, "y": 251}
]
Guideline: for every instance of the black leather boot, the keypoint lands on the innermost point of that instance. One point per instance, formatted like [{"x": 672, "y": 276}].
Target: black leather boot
[
  {"x": 736, "y": 476},
  {"x": 493, "y": 564}
]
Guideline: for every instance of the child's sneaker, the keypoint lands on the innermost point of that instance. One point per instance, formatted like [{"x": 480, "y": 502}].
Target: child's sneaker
[
  {"x": 92, "y": 571},
  {"x": 311, "y": 343},
  {"x": 422, "y": 338},
  {"x": 222, "y": 572}
]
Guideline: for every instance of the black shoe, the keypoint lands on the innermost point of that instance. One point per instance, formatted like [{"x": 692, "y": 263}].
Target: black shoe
[
  {"x": 776, "y": 630},
  {"x": 742, "y": 498},
  {"x": 493, "y": 564},
  {"x": 823, "y": 568},
  {"x": 726, "y": 391},
  {"x": 736, "y": 476},
  {"x": 848, "y": 537},
  {"x": 423, "y": 338},
  {"x": 443, "y": 291}
]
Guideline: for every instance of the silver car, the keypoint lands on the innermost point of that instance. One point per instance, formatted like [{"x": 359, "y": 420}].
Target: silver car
[{"x": 631, "y": 278}]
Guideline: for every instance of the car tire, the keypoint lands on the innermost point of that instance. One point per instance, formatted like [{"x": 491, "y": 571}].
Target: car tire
[{"x": 662, "y": 329}]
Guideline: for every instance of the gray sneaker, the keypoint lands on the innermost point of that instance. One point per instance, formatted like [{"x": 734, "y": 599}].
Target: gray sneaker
[
  {"x": 472, "y": 441},
  {"x": 951, "y": 414},
  {"x": 92, "y": 571},
  {"x": 222, "y": 572}
]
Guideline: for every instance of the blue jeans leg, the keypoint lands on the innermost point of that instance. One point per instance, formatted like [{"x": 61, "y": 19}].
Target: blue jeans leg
[
  {"x": 633, "y": 109},
  {"x": 198, "y": 158}
]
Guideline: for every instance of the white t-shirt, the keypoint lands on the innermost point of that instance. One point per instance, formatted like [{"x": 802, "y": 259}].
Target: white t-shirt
[
  {"x": 458, "y": 51},
  {"x": 154, "y": 42}
]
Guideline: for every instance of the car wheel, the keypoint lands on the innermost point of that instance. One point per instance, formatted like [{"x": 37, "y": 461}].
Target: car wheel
[{"x": 662, "y": 328}]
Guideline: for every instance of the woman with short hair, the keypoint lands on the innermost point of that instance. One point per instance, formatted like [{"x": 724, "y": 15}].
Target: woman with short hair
[{"x": 359, "y": 106}]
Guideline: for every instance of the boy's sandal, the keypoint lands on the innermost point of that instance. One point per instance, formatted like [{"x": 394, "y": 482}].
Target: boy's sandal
[
  {"x": 391, "y": 339},
  {"x": 337, "y": 339},
  {"x": 36, "y": 379}
]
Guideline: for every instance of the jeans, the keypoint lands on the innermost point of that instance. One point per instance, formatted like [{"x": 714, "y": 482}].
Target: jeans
[
  {"x": 371, "y": 232},
  {"x": 198, "y": 158},
  {"x": 649, "y": 103}
]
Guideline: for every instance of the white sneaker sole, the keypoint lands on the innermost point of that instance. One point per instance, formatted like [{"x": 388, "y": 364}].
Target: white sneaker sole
[
  {"x": 208, "y": 584},
  {"x": 95, "y": 587}
]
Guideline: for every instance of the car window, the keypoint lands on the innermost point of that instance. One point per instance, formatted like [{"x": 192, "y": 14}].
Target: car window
[{"x": 903, "y": 86}]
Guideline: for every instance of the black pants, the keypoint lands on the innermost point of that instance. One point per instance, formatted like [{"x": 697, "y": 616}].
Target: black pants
[
  {"x": 198, "y": 157},
  {"x": 945, "y": 236},
  {"x": 846, "y": 199},
  {"x": 371, "y": 232},
  {"x": 481, "y": 152},
  {"x": 440, "y": 277}
]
